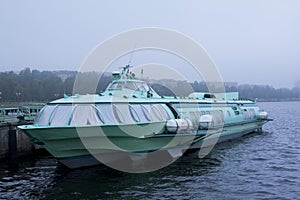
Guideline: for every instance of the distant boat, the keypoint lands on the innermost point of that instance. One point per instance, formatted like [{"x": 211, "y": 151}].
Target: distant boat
[{"x": 131, "y": 117}]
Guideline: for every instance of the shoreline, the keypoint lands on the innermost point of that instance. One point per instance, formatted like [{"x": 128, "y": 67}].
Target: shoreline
[{"x": 277, "y": 100}]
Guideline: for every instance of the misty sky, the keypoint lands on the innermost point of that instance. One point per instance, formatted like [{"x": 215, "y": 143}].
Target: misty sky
[{"x": 254, "y": 41}]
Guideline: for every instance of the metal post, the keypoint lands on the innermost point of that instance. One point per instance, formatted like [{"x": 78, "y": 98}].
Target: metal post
[{"x": 12, "y": 141}]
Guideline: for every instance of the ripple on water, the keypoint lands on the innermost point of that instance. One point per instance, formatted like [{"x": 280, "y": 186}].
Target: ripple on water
[{"x": 25, "y": 182}]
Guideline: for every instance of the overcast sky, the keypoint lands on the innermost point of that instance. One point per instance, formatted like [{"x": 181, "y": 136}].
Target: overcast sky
[{"x": 252, "y": 41}]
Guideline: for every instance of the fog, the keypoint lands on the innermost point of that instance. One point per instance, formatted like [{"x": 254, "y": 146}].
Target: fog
[{"x": 255, "y": 42}]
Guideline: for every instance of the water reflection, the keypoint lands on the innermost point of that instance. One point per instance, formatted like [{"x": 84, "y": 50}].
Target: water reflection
[
  {"x": 44, "y": 177},
  {"x": 21, "y": 179},
  {"x": 102, "y": 182}
]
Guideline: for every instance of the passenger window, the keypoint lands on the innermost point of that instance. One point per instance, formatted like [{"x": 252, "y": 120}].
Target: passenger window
[
  {"x": 163, "y": 113},
  {"x": 130, "y": 85},
  {"x": 85, "y": 115},
  {"x": 134, "y": 114},
  {"x": 60, "y": 115},
  {"x": 118, "y": 115},
  {"x": 146, "y": 113},
  {"x": 106, "y": 111},
  {"x": 155, "y": 113},
  {"x": 44, "y": 115},
  {"x": 99, "y": 114},
  {"x": 221, "y": 115}
]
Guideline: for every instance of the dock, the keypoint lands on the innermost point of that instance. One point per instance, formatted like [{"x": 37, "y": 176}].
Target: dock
[
  {"x": 21, "y": 112},
  {"x": 14, "y": 142}
]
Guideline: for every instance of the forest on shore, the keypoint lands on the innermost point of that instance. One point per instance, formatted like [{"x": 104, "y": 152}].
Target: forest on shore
[{"x": 43, "y": 86}]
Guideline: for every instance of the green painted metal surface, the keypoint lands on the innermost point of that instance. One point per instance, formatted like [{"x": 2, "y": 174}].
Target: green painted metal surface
[{"x": 25, "y": 112}]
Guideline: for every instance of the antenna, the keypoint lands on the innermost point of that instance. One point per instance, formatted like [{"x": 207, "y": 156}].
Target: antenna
[
  {"x": 131, "y": 55},
  {"x": 65, "y": 88},
  {"x": 142, "y": 74}
]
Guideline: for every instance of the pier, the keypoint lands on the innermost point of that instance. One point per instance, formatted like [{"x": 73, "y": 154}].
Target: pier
[
  {"x": 20, "y": 112},
  {"x": 14, "y": 142}
]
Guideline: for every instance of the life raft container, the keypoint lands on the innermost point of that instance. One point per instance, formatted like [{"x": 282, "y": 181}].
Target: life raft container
[
  {"x": 263, "y": 115},
  {"x": 179, "y": 125},
  {"x": 206, "y": 121}
]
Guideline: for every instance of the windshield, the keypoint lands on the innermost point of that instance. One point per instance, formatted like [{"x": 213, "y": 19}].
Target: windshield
[
  {"x": 116, "y": 86},
  {"x": 139, "y": 86}
]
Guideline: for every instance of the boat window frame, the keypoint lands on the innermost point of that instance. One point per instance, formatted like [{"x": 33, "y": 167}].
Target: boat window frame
[
  {"x": 143, "y": 87},
  {"x": 156, "y": 112},
  {"x": 116, "y": 112},
  {"x": 132, "y": 85},
  {"x": 99, "y": 114},
  {"x": 37, "y": 119},
  {"x": 228, "y": 113},
  {"x": 163, "y": 113},
  {"x": 68, "y": 123},
  {"x": 56, "y": 106},
  {"x": 119, "y": 85},
  {"x": 146, "y": 113},
  {"x": 97, "y": 111},
  {"x": 131, "y": 111},
  {"x": 50, "y": 116},
  {"x": 246, "y": 115},
  {"x": 41, "y": 112},
  {"x": 221, "y": 113}
]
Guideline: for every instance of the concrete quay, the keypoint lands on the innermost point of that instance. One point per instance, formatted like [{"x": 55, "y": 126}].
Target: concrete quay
[{"x": 14, "y": 142}]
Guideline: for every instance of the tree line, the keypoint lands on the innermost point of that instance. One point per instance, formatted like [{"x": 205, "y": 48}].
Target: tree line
[{"x": 43, "y": 86}]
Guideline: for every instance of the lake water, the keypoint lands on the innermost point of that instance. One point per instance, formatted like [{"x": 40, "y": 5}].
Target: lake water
[{"x": 258, "y": 166}]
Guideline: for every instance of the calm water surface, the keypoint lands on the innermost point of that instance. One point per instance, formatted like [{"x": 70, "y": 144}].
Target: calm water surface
[{"x": 259, "y": 166}]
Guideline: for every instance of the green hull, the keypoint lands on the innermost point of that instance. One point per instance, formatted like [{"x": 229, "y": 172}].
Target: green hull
[
  {"x": 201, "y": 140},
  {"x": 228, "y": 133},
  {"x": 72, "y": 142},
  {"x": 64, "y": 142}
]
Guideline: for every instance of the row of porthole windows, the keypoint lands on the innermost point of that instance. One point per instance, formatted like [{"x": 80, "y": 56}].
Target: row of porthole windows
[
  {"x": 219, "y": 115},
  {"x": 95, "y": 114}
]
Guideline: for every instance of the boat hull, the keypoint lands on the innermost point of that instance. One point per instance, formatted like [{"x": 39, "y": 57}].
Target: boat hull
[
  {"x": 93, "y": 147},
  {"x": 84, "y": 146},
  {"x": 228, "y": 132}
]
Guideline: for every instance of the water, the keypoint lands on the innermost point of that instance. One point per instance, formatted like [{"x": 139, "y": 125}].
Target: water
[{"x": 259, "y": 166}]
